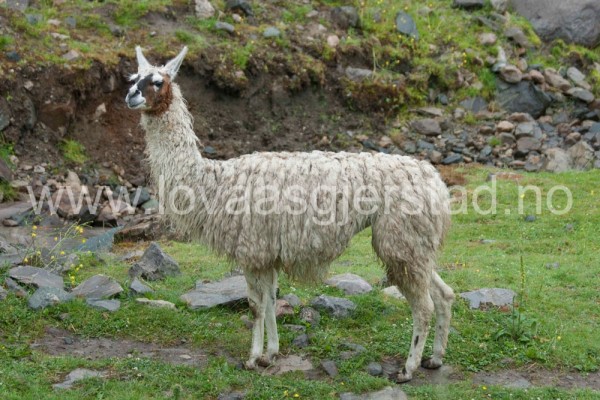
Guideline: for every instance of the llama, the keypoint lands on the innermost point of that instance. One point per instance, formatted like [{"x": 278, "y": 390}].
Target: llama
[{"x": 296, "y": 212}]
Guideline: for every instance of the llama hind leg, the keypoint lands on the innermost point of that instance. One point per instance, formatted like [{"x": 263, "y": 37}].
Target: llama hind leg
[
  {"x": 262, "y": 290},
  {"x": 422, "y": 307},
  {"x": 442, "y": 296}
]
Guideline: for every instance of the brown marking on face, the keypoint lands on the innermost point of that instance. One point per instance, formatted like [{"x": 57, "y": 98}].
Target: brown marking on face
[{"x": 158, "y": 101}]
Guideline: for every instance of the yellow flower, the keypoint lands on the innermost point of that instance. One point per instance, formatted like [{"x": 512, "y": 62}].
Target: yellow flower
[
  {"x": 484, "y": 388},
  {"x": 80, "y": 265},
  {"x": 62, "y": 253},
  {"x": 285, "y": 393},
  {"x": 33, "y": 235},
  {"x": 83, "y": 240},
  {"x": 34, "y": 227},
  {"x": 56, "y": 238},
  {"x": 26, "y": 260},
  {"x": 558, "y": 338},
  {"x": 296, "y": 395}
]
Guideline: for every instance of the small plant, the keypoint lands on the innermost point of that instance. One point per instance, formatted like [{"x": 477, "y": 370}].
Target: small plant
[
  {"x": 518, "y": 328},
  {"x": 5, "y": 40},
  {"x": 73, "y": 151},
  {"x": 494, "y": 141}
]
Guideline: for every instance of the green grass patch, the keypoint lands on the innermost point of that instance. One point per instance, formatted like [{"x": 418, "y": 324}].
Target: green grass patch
[{"x": 73, "y": 151}]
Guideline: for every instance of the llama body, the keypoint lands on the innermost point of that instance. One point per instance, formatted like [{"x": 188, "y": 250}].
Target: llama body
[{"x": 297, "y": 212}]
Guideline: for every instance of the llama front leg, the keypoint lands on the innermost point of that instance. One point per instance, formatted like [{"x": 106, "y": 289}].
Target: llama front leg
[
  {"x": 442, "y": 296},
  {"x": 270, "y": 320},
  {"x": 257, "y": 298},
  {"x": 262, "y": 292},
  {"x": 422, "y": 309}
]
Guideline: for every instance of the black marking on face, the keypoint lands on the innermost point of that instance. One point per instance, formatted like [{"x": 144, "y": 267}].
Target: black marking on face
[{"x": 142, "y": 84}]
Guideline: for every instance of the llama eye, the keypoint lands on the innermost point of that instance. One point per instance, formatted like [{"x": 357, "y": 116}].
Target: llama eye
[{"x": 158, "y": 84}]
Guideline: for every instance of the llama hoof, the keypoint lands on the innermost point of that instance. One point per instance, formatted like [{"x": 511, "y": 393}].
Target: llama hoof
[
  {"x": 265, "y": 361},
  {"x": 403, "y": 376},
  {"x": 430, "y": 363},
  {"x": 250, "y": 364}
]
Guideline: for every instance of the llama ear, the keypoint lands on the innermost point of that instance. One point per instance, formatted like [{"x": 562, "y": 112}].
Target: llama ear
[
  {"x": 173, "y": 66},
  {"x": 141, "y": 60}
]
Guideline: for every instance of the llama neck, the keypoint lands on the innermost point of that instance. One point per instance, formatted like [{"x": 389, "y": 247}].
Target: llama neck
[{"x": 174, "y": 158}]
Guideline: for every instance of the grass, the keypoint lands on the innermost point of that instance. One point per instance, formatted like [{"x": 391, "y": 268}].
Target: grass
[
  {"x": 554, "y": 325},
  {"x": 73, "y": 151}
]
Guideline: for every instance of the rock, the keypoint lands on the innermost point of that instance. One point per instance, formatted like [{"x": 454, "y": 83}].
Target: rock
[
  {"x": 522, "y": 97},
  {"x": 474, "y": 104},
  {"x": 48, "y": 296},
  {"x": 393, "y": 291},
  {"x": 493, "y": 296},
  {"x": 500, "y": 5},
  {"x": 224, "y": 26},
  {"x": 232, "y": 396},
  {"x": 427, "y": 126},
  {"x": 301, "y": 341},
  {"x": 333, "y": 40},
  {"x": 374, "y": 369},
  {"x": 581, "y": 94},
  {"x": 511, "y": 74},
  {"x": 71, "y": 22},
  {"x": 4, "y": 114},
  {"x": 71, "y": 55},
  {"x": 227, "y": 291},
  {"x": 537, "y": 76},
  {"x": 37, "y": 277},
  {"x": 528, "y": 129},
  {"x": 468, "y": 4},
  {"x": 3, "y": 293},
  {"x": 574, "y": 21},
  {"x": 289, "y": 364},
  {"x": 435, "y": 156},
  {"x": 572, "y": 138},
  {"x": 137, "y": 287},
  {"x": 282, "y": 307},
  {"x": 582, "y": 156},
  {"x": 452, "y": 158},
  {"x": 505, "y": 126},
  {"x": 102, "y": 243},
  {"x": 334, "y": 306},
  {"x": 527, "y": 144},
  {"x": 292, "y": 299},
  {"x": 98, "y": 287},
  {"x": 553, "y": 265},
  {"x": 555, "y": 80},
  {"x": 155, "y": 303},
  {"x": 386, "y": 394},
  {"x": 354, "y": 350},
  {"x": 15, "y": 288},
  {"x": 310, "y": 315},
  {"x": 240, "y": 6},
  {"x": 330, "y": 367},
  {"x": 78, "y": 375},
  {"x": 271, "y": 32},
  {"x": 345, "y": 17},
  {"x": 17, "y": 5},
  {"x": 530, "y": 218},
  {"x": 351, "y": 284},
  {"x": 204, "y": 9},
  {"x": 30, "y": 118},
  {"x": 34, "y": 19},
  {"x": 487, "y": 38},
  {"x": 405, "y": 25},
  {"x": 104, "y": 305},
  {"x": 358, "y": 74},
  {"x": 155, "y": 264},
  {"x": 577, "y": 77}
]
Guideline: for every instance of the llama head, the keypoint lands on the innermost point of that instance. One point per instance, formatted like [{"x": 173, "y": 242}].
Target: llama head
[{"x": 151, "y": 91}]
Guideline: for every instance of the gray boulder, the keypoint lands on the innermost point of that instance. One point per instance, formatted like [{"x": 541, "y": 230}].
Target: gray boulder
[
  {"x": 469, "y": 4},
  {"x": 557, "y": 160},
  {"x": 386, "y": 394},
  {"x": 406, "y": 25},
  {"x": 427, "y": 126},
  {"x": 522, "y": 97},
  {"x": 334, "y": 306},
  {"x": 493, "y": 296},
  {"x": 37, "y": 277},
  {"x": 98, "y": 287},
  {"x": 78, "y": 375},
  {"x": 137, "y": 287},
  {"x": 155, "y": 264},
  {"x": 574, "y": 21},
  {"x": 48, "y": 296},
  {"x": 345, "y": 17},
  {"x": 204, "y": 9},
  {"x": 104, "y": 305},
  {"x": 582, "y": 156},
  {"x": 292, "y": 299},
  {"x": 3, "y": 293},
  {"x": 226, "y": 291},
  {"x": 350, "y": 283}
]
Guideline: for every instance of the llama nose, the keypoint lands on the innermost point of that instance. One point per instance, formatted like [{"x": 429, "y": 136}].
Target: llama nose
[{"x": 137, "y": 92}]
